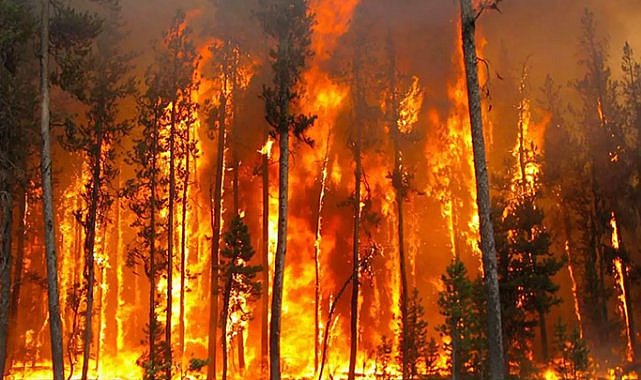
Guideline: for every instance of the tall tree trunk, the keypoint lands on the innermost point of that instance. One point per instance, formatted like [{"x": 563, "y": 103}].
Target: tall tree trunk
[
  {"x": 90, "y": 240},
  {"x": 281, "y": 245},
  {"x": 225, "y": 316},
  {"x": 358, "y": 171},
  {"x": 403, "y": 271},
  {"x": 170, "y": 238},
  {"x": 183, "y": 252},
  {"x": 5, "y": 267},
  {"x": 264, "y": 338},
  {"x": 18, "y": 269},
  {"x": 55, "y": 323},
  {"x": 488, "y": 249},
  {"x": 215, "y": 243},
  {"x": 241, "y": 350},
  {"x": 152, "y": 255},
  {"x": 317, "y": 246}
]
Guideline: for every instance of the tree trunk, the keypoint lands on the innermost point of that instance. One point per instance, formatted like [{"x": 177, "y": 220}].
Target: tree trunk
[
  {"x": 183, "y": 252},
  {"x": 225, "y": 315},
  {"x": 264, "y": 340},
  {"x": 281, "y": 245},
  {"x": 488, "y": 249},
  {"x": 55, "y": 323},
  {"x": 90, "y": 240},
  {"x": 317, "y": 246},
  {"x": 5, "y": 268},
  {"x": 403, "y": 271},
  {"x": 18, "y": 268},
  {"x": 355, "y": 251},
  {"x": 545, "y": 351},
  {"x": 241, "y": 351},
  {"x": 170, "y": 237},
  {"x": 152, "y": 254},
  {"x": 215, "y": 244}
]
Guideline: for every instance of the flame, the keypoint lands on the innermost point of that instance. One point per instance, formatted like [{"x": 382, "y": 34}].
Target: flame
[
  {"x": 621, "y": 271},
  {"x": 410, "y": 106}
]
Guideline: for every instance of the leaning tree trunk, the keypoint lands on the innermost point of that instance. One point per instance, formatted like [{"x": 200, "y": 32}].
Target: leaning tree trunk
[
  {"x": 90, "y": 240},
  {"x": 264, "y": 340},
  {"x": 215, "y": 243},
  {"x": 55, "y": 323},
  {"x": 488, "y": 249},
  {"x": 5, "y": 268},
  {"x": 281, "y": 245},
  {"x": 358, "y": 171}
]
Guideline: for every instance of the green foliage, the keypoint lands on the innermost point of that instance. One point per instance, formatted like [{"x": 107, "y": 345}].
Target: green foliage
[
  {"x": 288, "y": 23},
  {"x": 416, "y": 332},
  {"x": 572, "y": 360},
  {"x": 462, "y": 303}
]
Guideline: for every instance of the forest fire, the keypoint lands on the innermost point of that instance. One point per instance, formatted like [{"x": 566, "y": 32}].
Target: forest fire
[{"x": 319, "y": 189}]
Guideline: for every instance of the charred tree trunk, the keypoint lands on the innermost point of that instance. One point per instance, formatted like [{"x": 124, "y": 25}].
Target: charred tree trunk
[
  {"x": 281, "y": 244},
  {"x": 264, "y": 340},
  {"x": 358, "y": 172},
  {"x": 488, "y": 249},
  {"x": 399, "y": 188},
  {"x": 5, "y": 267},
  {"x": 170, "y": 237},
  {"x": 55, "y": 323},
  {"x": 317, "y": 286},
  {"x": 545, "y": 351},
  {"x": 183, "y": 251},
  {"x": 18, "y": 268},
  {"x": 152, "y": 254},
  {"x": 215, "y": 243},
  {"x": 225, "y": 316},
  {"x": 90, "y": 240},
  {"x": 328, "y": 323}
]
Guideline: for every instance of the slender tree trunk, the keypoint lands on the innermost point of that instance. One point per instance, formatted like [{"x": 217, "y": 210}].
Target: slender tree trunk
[
  {"x": 90, "y": 240},
  {"x": 5, "y": 269},
  {"x": 264, "y": 340},
  {"x": 544, "y": 337},
  {"x": 225, "y": 316},
  {"x": 18, "y": 268},
  {"x": 215, "y": 244},
  {"x": 355, "y": 251},
  {"x": 55, "y": 323},
  {"x": 183, "y": 252},
  {"x": 488, "y": 249},
  {"x": 170, "y": 238},
  {"x": 317, "y": 246},
  {"x": 328, "y": 325},
  {"x": 403, "y": 271},
  {"x": 152, "y": 254},
  {"x": 281, "y": 246}
]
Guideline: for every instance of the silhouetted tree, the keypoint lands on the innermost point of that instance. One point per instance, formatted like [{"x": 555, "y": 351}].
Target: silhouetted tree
[{"x": 288, "y": 24}]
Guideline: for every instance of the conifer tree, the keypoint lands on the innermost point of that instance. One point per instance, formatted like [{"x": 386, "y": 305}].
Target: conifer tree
[
  {"x": 240, "y": 284},
  {"x": 288, "y": 24}
]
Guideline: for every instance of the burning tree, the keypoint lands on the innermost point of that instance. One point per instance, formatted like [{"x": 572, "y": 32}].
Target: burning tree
[
  {"x": 288, "y": 23},
  {"x": 573, "y": 357},
  {"x": 240, "y": 285},
  {"x": 104, "y": 87}
]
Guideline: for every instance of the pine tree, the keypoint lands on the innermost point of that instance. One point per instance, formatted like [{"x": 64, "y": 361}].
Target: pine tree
[
  {"x": 17, "y": 89},
  {"x": 469, "y": 15},
  {"x": 461, "y": 303},
  {"x": 573, "y": 357},
  {"x": 288, "y": 24},
  {"x": 106, "y": 85},
  {"x": 240, "y": 284},
  {"x": 415, "y": 344}
]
